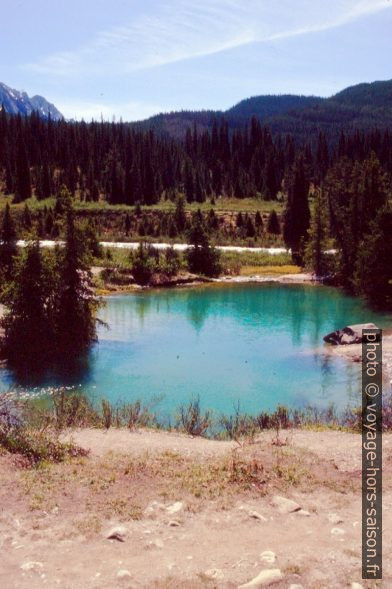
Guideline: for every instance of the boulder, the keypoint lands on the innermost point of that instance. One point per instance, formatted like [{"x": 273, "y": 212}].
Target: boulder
[{"x": 351, "y": 334}]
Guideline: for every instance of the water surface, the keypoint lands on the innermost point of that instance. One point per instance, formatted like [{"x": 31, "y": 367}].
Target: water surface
[{"x": 256, "y": 344}]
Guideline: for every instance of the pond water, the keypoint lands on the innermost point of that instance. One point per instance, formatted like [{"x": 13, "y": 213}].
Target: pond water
[{"x": 258, "y": 345}]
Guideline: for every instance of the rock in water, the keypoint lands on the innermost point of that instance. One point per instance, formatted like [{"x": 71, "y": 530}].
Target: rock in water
[
  {"x": 263, "y": 579},
  {"x": 351, "y": 334}
]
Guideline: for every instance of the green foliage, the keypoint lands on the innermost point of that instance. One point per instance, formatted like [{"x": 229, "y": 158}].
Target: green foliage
[
  {"x": 148, "y": 262},
  {"x": 202, "y": 257},
  {"x": 297, "y": 214},
  {"x": 273, "y": 225},
  {"x": 51, "y": 304},
  {"x": 8, "y": 247},
  {"x": 317, "y": 244},
  {"x": 373, "y": 275}
]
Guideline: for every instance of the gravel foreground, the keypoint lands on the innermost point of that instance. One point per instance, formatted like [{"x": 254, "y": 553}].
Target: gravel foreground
[{"x": 160, "y": 510}]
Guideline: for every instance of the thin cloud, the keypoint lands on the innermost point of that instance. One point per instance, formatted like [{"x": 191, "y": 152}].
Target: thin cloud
[
  {"x": 88, "y": 110},
  {"x": 182, "y": 29}
]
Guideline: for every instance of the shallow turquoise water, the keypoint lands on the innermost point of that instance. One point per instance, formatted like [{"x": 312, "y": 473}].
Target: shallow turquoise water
[{"x": 252, "y": 344}]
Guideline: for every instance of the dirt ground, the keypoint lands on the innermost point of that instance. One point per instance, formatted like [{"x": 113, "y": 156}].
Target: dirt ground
[{"x": 190, "y": 513}]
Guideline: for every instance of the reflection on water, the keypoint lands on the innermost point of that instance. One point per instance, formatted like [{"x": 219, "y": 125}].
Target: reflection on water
[{"x": 252, "y": 344}]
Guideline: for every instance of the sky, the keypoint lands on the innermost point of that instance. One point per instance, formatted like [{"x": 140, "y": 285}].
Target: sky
[{"x": 131, "y": 59}]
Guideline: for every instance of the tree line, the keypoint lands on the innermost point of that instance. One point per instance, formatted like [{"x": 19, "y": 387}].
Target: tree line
[{"x": 119, "y": 164}]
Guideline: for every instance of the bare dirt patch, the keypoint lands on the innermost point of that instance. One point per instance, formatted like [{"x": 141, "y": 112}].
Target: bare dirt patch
[{"x": 191, "y": 513}]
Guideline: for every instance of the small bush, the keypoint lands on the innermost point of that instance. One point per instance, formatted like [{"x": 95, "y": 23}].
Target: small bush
[
  {"x": 37, "y": 447},
  {"x": 133, "y": 414},
  {"x": 192, "y": 420},
  {"x": 107, "y": 414}
]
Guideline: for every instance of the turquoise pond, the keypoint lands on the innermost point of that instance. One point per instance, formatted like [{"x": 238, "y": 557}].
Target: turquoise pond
[{"x": 257, "y": 344}]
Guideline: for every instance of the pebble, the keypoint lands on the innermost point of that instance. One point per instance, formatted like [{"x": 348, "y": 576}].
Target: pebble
[
  {"x": 356, "y": 586},
  {"x": 32, "y": 566},
  {"x": 334, "y": 519},
  {"x": 256, "y": 515},
  {"x": 303, "y": 512},
  {"x": 123, "y": 574},
  {"x": 153, "y": 507},
  {"x": 154, "y": 544},
  {"x": 285, "y": 505},
  {"x": 175, "y": 507},
  {"x": 296, "y": 586},
  {"x": 214, "y": 574},
  {"x": 174, "y": 523},
  {"x": 268, "y": 556},
  {"x": 337, "y": 531},
  {"x": 263, "y": 579},
  {"x": 118, "y": 533}
]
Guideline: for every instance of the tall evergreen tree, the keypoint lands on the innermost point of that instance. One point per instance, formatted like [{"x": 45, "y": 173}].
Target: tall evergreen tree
[
  {"x": 8, "y": 247},
  {"x": 23, "y": 179},
  {"x": 297, "y": 213}
]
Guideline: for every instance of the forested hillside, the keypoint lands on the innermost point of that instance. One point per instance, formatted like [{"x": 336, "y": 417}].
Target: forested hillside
[{"x": 360, "y": 107}]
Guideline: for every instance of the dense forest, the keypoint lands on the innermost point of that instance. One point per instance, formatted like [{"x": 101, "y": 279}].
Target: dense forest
[
  {"x": 333, "y": 194},
  {"x": 115, "y": 163}
]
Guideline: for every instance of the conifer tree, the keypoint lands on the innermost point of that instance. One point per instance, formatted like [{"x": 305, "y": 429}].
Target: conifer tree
[
  {"x": 28, "y": 340},
  {"x": 273, "y": 225},
  {"x": 202, "y": 257},
  {"x": 76, "y": 324},
  {"x": 297, "y": 213},
  {"x": 8, "y": 247},
  {"x": 23, "y": 179}
]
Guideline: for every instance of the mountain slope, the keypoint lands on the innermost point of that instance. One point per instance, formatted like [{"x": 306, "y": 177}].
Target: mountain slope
[
  {"x": 364, "y": 106},
  {"x": 15, "y": 102}
]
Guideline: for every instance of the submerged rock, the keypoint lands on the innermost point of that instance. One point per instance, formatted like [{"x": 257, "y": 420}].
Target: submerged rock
[{"x": 351, "y": 334}]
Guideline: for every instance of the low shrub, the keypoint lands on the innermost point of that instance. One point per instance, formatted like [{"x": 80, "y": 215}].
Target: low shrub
[{"x": 192, "y": 420}]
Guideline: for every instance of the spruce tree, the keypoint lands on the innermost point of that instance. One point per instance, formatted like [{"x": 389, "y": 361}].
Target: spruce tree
[
  {"x": 76, "y": 324},
  {"x": 373, "y": 275},
  {"x": 297, "y": 213},
  {"x": 316, "y": 246},
  {"x": 202, "y": 257},
  {"x": 23, "y": 179},
  {"x": 28, "y": 341},
  {"x": 8, "y": 247},
  {"x": 273, "y": 225}
]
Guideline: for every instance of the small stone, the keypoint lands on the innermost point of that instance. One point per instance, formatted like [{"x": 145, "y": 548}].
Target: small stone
[
  {"x": 268, "y": 556},
  {"x": 258, "y": 516},
  {"x": 214, "y": 574},
  {"x": 175, "y": 507},
  {"x": 285, "y": 505},
  {"x": 334, "y": 519},
  {"x": 356, "y": 586},
  {"x": 337, "y": 531},
  {"x": 34, "y": 566},
  {"x": 152, "y": 509},
  {"x": 118, "y": 533},
  {"x": 303, "y": 512},
  {"x": 296, "y": 586},
  {"x": 174, "y": 523},
  {"x": 123, "y": 574},
  {"x": 267, "y": 577},
  {"x": 154, "y": 544}
]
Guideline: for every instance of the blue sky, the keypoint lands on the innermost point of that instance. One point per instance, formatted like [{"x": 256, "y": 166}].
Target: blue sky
[{"x": 134, "y": 58}]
